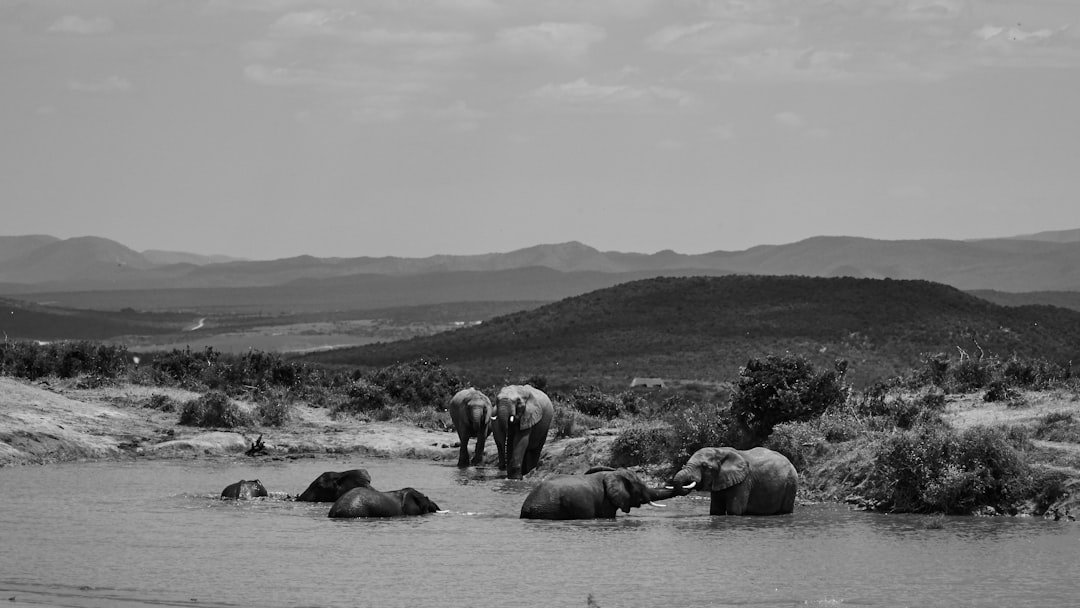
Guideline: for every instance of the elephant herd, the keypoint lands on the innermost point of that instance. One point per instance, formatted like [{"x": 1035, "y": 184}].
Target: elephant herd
[{"x": 758, "y": 481}]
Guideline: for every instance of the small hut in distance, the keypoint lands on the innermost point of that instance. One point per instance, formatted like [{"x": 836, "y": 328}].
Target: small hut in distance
[{"x": 647, "y": 383}]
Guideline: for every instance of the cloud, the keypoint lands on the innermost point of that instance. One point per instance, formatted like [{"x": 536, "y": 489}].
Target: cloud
[
  {"x": 581, "y": 93},
  {"x": 308, "y": 23},
  {"x": 561, "y": 41},
  {"x": 789, "y": 120},
  {"x": 458, "y": 117},
  {"x": 1014, "y": 46},
  {"x": 708, "y": 37},
  {"x": 112, "y": 84},
  {"x": 73, "y": 24}
]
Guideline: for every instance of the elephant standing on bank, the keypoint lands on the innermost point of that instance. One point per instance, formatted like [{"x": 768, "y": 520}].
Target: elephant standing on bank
[
  {"x": 329, "y": 486},
  {"x": 598, "y": 494},
  {"x": 369, "y": 502},
  {"x": 523, "y": 415},
  {"x": 471, "y": 411},
  {"x": 758, "y": 481},
  {"x": 244, "y": 490}
]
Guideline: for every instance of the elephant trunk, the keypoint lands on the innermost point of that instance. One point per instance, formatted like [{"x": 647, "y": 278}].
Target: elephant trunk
[{"x": 685, "y": 479}]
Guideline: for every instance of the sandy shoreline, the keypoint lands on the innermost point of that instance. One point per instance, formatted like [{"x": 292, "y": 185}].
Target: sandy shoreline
[{"x": 43, "y": 423}]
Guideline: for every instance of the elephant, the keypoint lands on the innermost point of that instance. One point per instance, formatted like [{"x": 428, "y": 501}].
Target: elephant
[
  {"x": 329, "y": 486},
  {"x": 244, "y": 490},
  {"x": 522, "y": 417},
  {"x": 369, "y": 502},
  {"x": 598, "y": 494},
  {"x": 470, "y": 411},
  {"x": 758, "y": 481}
]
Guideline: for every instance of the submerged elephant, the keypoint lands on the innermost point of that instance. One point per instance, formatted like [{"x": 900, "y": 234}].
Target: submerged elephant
[
  {"x": 470, "y": 411},
  {"x": 244, "y": 490},
  {"x": 330, "y": 486},
  {"x": 369, "y": 502},
  {"x": 758, "y": 481},
  {"x": 598, "y": 494},
  {"x": 522, "y": 417}
]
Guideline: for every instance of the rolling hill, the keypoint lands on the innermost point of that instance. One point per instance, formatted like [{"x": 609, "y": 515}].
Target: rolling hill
[{"x": 704, "y": 328}]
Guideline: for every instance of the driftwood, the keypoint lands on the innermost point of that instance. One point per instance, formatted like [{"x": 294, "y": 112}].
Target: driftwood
[{"x": 257, "y": 448}]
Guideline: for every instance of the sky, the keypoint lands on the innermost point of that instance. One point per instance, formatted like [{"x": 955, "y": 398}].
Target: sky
[{"x": 266, "y": 129}]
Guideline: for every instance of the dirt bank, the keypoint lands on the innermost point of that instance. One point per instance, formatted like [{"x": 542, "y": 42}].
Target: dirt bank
[{"x": 43, "y": 422}]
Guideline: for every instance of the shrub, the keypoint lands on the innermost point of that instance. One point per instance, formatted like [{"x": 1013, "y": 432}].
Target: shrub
[
  {"x": 935, "y": 469},
  {"x": 784, "y": 389},
  {"x": 639, "y": 445},
  {"x": 274, "y": 412},
  {"x": 698, "y": 425},
  {"x": 1060, "y": 427},
  {"x": 568, "y": 422},
  {"x": 423, "y": 382},
  {"x": 795, "y": 440},
  {"x": 594, "y": 402},
  {"x": 214, "y": 409},
  {"x": 362, "y": 398},
  {"x": 161, "y": 403}
]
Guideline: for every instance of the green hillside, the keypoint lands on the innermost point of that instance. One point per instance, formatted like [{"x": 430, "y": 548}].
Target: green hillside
[{"x": 704, "y": 328}]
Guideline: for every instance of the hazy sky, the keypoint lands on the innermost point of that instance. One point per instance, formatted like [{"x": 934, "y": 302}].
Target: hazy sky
[{"x": 273, "y": 128}]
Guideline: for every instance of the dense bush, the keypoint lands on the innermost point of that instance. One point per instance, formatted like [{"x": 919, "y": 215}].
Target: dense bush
[
  {"x": 936, "y": 469},
  {"x": 274, "y": 412},
  {"x": 69, "y": 359},
  {"x": 784, "y": 389},
  {"x": 591, "y": 401},
  {"x": 423, "y": 382},
  {"x": 568, "y": 422},
  {"x": 214, "y": 409},
  {"x": 363, "y": 398},
  {"x": 643, "y": 444}
]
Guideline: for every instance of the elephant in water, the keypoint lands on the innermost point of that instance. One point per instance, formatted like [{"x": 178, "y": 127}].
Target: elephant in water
[
  {"x": 522, "y": 417},
  {"x": 244, "y": 490},
  {"x": 470, "y": 411},
  {"x": 369, "y": 502},
  {"x": 329, "y": 486},
  {"x": 758, "y": 481},
  {"x": 598, "y": 494}
]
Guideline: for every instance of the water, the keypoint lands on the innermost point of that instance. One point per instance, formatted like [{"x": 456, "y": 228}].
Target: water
[{"x": 156, "y": 534}]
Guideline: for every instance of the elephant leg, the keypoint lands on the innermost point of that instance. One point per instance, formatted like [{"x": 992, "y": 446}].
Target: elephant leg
[
  {"x": 530, "y": 460},
  {"x": 463, "y": 451},
  {"x": 718, "y": 504},
  {"x": 478, "y": 449}
]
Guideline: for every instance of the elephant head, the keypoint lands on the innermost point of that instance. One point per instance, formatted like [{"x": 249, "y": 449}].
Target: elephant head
[
  {"x": 245, "y": 490},
  {"x": 713, "y": 469},
  {"x": 329, "y": 486},
  {"x": 625, "y": 490},
  {"x": 519, "y": 406},
  {"x": 414, "y": 502}
]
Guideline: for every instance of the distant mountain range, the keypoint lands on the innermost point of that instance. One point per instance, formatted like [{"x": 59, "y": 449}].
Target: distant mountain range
[{"x": 1047, "y": 262}]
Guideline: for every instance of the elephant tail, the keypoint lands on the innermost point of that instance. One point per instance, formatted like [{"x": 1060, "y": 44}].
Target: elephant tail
[{"x": 479, "y": 418}]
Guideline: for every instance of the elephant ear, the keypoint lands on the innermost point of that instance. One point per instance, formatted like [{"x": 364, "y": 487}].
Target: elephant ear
[
  {"x": 617, "y": 491},
  {"x": 733, "y": 470},
  {"x": 532, "y": 411}
]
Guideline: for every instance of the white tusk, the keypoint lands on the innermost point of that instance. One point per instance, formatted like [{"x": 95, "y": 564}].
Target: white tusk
[
  {"x": 511, "y": 419},
  {"x": 442, "y": 511},
  {"x": 656, "y": 504},
  {"x": 691, "y": 486}
]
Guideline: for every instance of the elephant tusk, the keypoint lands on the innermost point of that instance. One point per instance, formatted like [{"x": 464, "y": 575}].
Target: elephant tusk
[
  {"x": 511, "y": 420},
  {"x": 689, "y": 487},
  {"x": 656, "y": 504},
  {"x": 442, "y": 512}
]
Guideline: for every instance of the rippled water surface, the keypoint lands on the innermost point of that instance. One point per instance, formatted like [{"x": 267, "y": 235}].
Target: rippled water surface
[{"x": 155, "y": 533}]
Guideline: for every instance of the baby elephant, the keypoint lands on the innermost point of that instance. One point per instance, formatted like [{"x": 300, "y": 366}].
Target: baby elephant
[
  {"x": 244, "y": 490},
  {"x": 369, "y": 502}
]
